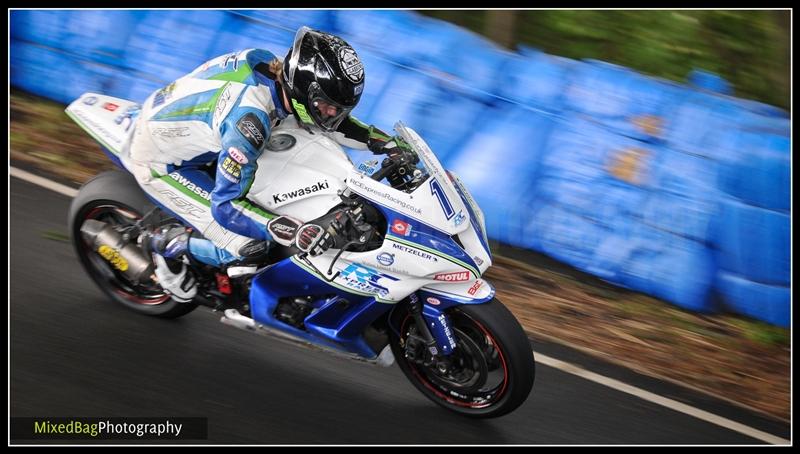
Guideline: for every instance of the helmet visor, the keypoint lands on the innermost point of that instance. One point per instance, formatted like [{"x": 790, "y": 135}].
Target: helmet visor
[
  {"x": 326, "y": 113},
  {"x": 295, "y": 58}
]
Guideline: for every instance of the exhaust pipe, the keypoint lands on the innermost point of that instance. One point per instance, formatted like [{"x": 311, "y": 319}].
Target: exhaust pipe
[{"x": 123, "y": 256}]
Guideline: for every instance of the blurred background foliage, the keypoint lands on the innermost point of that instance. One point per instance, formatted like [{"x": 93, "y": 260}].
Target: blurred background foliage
[{"x": 749, "y": 48}]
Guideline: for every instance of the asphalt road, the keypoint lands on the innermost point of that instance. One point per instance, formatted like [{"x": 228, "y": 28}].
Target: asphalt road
[{"x": 73, "y": 353}]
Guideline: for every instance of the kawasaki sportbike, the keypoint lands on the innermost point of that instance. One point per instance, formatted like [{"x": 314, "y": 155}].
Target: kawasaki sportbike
[{"x": 407, "y": 287}]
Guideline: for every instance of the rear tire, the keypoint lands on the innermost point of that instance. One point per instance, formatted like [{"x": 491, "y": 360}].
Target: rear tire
[
  {"x": 500, "y": 359},
  {"x": 115, "y": 197}
]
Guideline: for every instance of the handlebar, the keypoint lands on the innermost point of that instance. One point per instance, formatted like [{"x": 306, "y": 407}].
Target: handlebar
[
  {"x": 398, "y": 169},
  {"x": 387, "y": 167}
]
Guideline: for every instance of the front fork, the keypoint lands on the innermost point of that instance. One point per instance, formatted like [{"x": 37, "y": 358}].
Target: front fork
[{"x": 433, "y": 327}]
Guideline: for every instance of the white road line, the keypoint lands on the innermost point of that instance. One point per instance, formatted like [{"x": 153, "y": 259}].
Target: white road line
[
  {"x": 43, "y": 182},
  {"x": 663, "y": 401},
  {"x": 546, "y": 360}
]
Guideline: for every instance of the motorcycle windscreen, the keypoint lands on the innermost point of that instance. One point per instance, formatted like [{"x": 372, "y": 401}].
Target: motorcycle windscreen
[{"x": 435, "y": 202}]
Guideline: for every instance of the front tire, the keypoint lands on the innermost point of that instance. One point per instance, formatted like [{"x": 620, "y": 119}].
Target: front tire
[
  {"x": 115, "y": 197},
  {"x": 495, "y": 359}
]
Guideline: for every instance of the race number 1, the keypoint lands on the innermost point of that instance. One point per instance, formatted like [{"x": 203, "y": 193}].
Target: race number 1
[{"x": 438, "y": 191}]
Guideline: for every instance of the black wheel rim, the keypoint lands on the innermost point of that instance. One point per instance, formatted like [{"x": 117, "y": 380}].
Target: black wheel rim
[{"x": 480, "y": 378}]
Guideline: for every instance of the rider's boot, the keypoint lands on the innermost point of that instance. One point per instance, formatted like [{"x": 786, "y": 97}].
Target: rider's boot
[{"x": 169, "y": 246}]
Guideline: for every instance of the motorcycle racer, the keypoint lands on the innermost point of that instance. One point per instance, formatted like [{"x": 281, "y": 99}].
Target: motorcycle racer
[{"x": 221, "y": 115}]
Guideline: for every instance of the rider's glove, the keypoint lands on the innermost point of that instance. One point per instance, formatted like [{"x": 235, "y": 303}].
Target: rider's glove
[
  {"x": 284, "y": 230},
  {"x": 313, "y": 239},
  {"x": 395, "y": 148}
]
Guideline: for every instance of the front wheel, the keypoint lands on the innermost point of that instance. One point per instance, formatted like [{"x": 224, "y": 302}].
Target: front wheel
[{"x": 490, "y": 372}]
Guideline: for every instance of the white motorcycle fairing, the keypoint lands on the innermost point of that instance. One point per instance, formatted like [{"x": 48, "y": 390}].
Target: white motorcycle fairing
[
  {"x": 107, "y": 119},
  {"x": 418, "y": 250},
  {"x": 300, "y": 173}
]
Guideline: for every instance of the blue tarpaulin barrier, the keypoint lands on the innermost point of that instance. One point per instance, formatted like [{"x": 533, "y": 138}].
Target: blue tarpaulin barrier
[
  {"x": 754, "y": 242},
  {"x": 769, "y": 303},
  {"x": 509, "y": 145},
  {"x": 534, "y": 79},
  {"x": 756, "y": 169},
  {"x": 671, "y": 267},
  {"x": 620, "y": 99}
]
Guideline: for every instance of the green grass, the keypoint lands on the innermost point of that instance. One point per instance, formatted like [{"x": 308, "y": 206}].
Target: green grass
[
  {"x": 55, "y": 236},
  {"x": 762, "y": 333}
]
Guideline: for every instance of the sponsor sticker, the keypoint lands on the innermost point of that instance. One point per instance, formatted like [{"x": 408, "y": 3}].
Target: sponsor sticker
[
  {"x": 90, "y": 100},
  {"x": 188, "y": 184},
  {"x": 163, "y": 94},
  {"x": 125, "y": 119},
  {"x": 475, "y": 287},
  {"x": 110, "y": 106},
  {"x": 286, "y": 196},
  {"x": 363, "y": 278},
  {"x": 447, "y": 332},
  {"x": 300, "y": 110},
  {"x": 98, "y": 128},
  {"x": 231, "y": 170},
  {"x": 180, "y": 131},
  {"x": 252, "y": 130},
  {"x": 477, "y": 260},
  {"x": 283, "y": 229},
  {"x": 416, "y": 252},
  {"x": 459, "y": 219},
  {"x": 350, "y": 64},
  {"x": 222, "y": 101},
  {"x": 433, "y": 301},
  {"x": 459, "y": 276},
  {"x": 385, "y": 196},
  {"x": 385, "y": 258},
  {"x": 237, "y": 155},
  {"x": 184, "y": 206},
  {"x": 368, "y": 167},
  {"x": 401, "y": 227},
  {"x": 113, "y": 257}
]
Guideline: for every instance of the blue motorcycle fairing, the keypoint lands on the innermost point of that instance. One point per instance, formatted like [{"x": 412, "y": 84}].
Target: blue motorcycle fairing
[{"x": 339, "y": 317}]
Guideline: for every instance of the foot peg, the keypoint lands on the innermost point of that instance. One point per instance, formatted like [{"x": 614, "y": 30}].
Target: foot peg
[
  {"x": 386, "y": 357},
  {"x": 233, "y": 318},
  {"x": 239, "y": 271}
]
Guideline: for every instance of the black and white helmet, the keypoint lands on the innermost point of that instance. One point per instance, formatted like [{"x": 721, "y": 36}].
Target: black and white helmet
[{"x": 323, "y": 78}]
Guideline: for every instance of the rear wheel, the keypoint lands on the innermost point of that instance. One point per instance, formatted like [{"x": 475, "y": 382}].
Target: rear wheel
[
  {"x": 115, "y": 198},
  {"x": 490, "y": 372}
]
